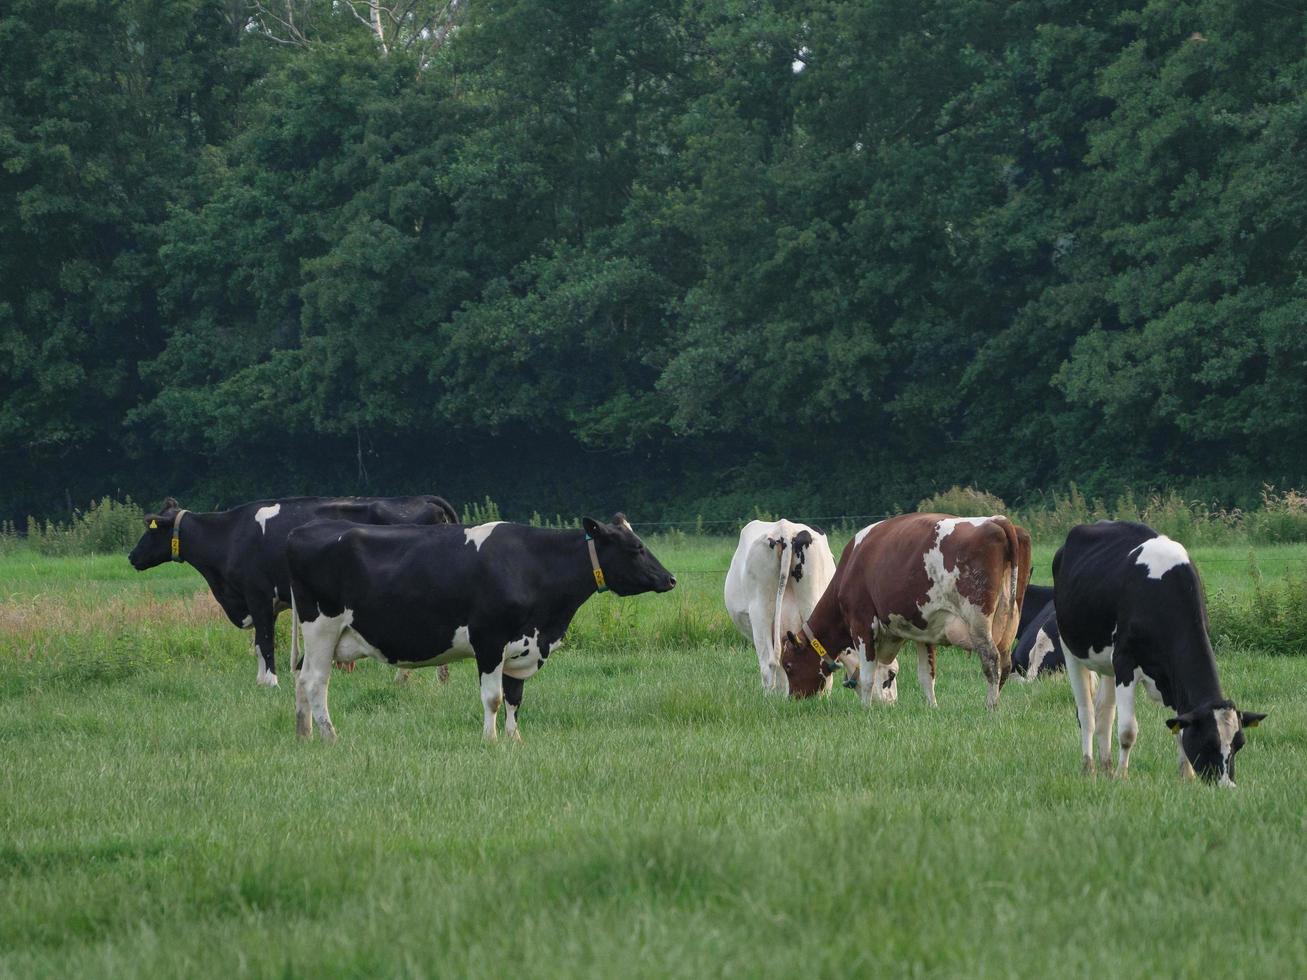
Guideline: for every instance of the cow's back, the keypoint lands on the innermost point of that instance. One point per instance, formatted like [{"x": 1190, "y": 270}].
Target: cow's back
[{"x": 1090, "y": 581}]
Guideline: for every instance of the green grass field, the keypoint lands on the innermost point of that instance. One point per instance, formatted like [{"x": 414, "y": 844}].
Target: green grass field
[{"x": 158, "y": 816}]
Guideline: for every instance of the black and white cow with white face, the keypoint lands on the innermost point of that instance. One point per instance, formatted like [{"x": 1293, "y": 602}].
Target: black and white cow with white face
[
  {"x": 502, "y": 594},
  {"x": 242, "y": 552},
  {"x": 1130, "y": 607},
  {"x": 1039, "y": 647}
]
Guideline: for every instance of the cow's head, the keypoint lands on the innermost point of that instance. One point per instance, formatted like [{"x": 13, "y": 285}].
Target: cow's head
[
  {"x": 629, "y": 567},
  {"x": 806, "y": 671},
  {"x": 155, "y": 546},
  {"x": 1211, "y": 735}
]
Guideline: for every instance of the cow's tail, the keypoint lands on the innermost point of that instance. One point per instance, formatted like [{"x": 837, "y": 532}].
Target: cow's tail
[
  {"x": 783, "y": 578},
  {"x": 1014, "y": 557}
]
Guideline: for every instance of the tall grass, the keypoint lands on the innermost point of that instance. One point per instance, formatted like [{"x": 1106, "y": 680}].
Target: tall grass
[{"x": 104, "y": 527}]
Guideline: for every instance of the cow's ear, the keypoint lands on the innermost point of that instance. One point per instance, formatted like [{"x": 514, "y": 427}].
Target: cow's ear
[
  {"x": 619, "y": 520},
  {"x": 593, "y": 527},
  {"x": 171, "y": 504},
  {"x": 152, "y": 522},
  {"x": 789, "y": 635},
  {"x": 1251, "y": 719},
  {"x": 1180, "y": 722}
]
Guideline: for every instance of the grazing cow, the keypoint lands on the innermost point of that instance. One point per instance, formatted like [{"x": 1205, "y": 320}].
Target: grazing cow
[
  {"x": 242, "y": 552},
  {"x": 501, "y": 593},
  {"x": 1032, "y": 605},
  {"x": 779, "y": 571},
  {"x": 1039, "y": 647},
  {"x": 928, "y": 578},
  {"x": 1130, "y": 607}
]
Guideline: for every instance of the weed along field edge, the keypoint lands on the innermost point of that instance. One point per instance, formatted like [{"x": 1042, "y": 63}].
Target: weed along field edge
[{"x": 159, "y": 817}]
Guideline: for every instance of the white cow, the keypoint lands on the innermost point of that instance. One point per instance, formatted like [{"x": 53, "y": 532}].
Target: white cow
[{"x": 779, "y": 571}]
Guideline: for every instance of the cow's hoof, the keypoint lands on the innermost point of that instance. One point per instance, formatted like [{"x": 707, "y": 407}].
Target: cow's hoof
[
  {"x": 850, "y": 683},
  {"x": 1087, "y": 767},
  {"x": 268, "y": 680}
]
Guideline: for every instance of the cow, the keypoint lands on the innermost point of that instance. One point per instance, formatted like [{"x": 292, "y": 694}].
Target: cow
[
  {"x": 779, "y": 571},
  {"x": 1130, "y": 608},
  {"x": 241, "y": 552},
  {"x": 927, "y": 578},
  {"x": 1032, "y": 606},
  {"x": 1039, "y": 647},
  {"x": 502, "y": 594}
]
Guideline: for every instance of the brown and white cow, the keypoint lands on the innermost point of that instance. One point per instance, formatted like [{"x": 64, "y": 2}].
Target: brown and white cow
[{"x": 926, "y": 578}]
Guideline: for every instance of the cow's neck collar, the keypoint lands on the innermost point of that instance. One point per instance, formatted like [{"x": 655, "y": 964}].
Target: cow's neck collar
[
  {"x": 817, "y": 647},
  {"x": 600, "y": 584},
  {"x": 176, "y": 535}
]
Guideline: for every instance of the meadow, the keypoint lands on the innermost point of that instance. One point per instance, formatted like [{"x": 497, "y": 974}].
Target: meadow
[{"x": 662, "y": 817}]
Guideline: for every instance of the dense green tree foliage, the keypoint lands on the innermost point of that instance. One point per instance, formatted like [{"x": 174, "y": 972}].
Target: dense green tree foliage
[{"x": 821, "y": 256}]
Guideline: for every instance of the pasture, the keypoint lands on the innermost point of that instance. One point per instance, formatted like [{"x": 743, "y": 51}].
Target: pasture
[{"x": 158, "y": 816}]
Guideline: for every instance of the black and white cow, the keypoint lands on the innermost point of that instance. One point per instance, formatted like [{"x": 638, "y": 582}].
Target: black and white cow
[
  {"x": 500, "y": 593},
  {"x": 1037, "y": 635},
  {"x": 1130, "y": 607},
  {"x": 1039, "y": 648},
  {"x": 1036, "y": 598},
  {"x": 242, "y": 552}
]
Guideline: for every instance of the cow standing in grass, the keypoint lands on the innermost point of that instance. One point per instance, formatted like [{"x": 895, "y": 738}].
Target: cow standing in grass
[
  {"x": 926, "y": 578},
  {"x": 779, "y": 571},
  {"x": 1130, "y": 608},
  {"x": 501, "y": 594},
  {"x": 242, "y": 552}
]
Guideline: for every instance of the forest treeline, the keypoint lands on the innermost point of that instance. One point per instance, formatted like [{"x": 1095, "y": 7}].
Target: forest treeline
[{"x": 683, "y": 258}]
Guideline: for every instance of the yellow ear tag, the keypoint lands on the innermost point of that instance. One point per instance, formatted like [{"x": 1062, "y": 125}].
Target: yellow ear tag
[
  {"x": 176, "y": 547},
  {"x": 816, "y": 645},
  {"x": 154, "y": 525}
]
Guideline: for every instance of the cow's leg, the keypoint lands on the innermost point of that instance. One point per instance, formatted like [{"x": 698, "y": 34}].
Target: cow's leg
[
  {"x": 768, "y": 666},
  {"x": 1082, "y": 689},
  {"x": 320, "y": 638},
  {"x": 1104, "y": 709},
  {"x": 878, "y": 657},
  {"x": 990, "y": 665},
  {"x": 265, "y": 625},
  {"x": 926, "y": 672},
  {"x": 512, "y": 701},
  {"x": 492, "y": 696},
  {"x": 1127, "y": 727}
]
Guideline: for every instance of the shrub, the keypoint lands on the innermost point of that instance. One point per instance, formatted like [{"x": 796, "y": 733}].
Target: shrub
[
  {"x": 1282, "y": 518},
  {"x": 482, "y": 513},
  {"x": 1272, "y": 618},
  {"x": 105, "y": 527},
  {"x": 964, "y": 502}
]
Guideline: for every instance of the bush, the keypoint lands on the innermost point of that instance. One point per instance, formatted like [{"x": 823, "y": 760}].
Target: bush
[
  {"x": 963, "y": 502},
  {"x": 104, "y": 528},
  {"x": 1273, "y": 618},
  {"x": 1282, "y": 518},
  {"x": 10, "y": 539},
  {"x": 482, "y": 513}
]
